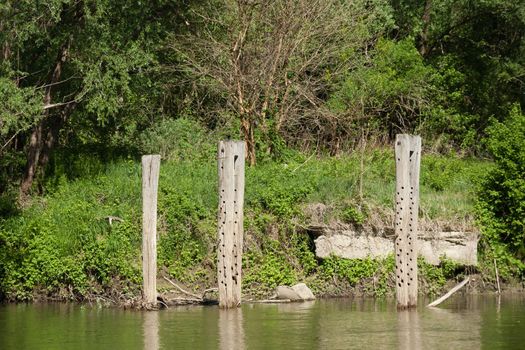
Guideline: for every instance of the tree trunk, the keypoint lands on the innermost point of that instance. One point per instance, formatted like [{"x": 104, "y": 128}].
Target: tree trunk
[
  {"x": 424, "y": 45},
  {"x": 37, "y": 143},
  {"x": 33, "y": 157},
  {"x": 247, "y": 126},
  {"x": 53, "y": 126}
]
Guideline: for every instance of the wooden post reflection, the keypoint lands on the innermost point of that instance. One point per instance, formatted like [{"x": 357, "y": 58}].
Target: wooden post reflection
[
  {"x": 150, "y": 330},
  {"x": 231, "y": 329},
  {"x": 408, "y": 330}
]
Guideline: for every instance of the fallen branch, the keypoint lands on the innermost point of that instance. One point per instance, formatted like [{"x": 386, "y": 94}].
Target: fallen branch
[
  {"x": 54, "y": 105},
  {"x": 113, "y": 218},
  {"x": 185, "y": 300},
  {"x": 182, "y": 290},
  {"x": 209, "y": 290},
  {"x": 163, "y": 303},
  {"x": 306, "y": 161},
  {"x": 450, "y": 292}
]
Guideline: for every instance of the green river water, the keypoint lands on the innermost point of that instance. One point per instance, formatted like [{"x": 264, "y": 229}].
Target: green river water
[{"x": 473, "y": 322}]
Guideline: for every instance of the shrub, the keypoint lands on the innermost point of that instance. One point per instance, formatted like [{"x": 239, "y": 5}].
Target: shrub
[
  {"x": 501, "y": 199},
  {"x": 276, "y": 189},
  {"x": 435, "y": 277},
  {"x": 351, "y": 270},
  {"x": 393, "y": 91},
  {"x": 178, "y": 139},
  {"x": 353, "y": 215},
  {"x": 269, "y": 270}
]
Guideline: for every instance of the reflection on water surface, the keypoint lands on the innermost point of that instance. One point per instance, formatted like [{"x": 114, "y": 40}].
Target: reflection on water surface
[{"x": 472, "y": 322}]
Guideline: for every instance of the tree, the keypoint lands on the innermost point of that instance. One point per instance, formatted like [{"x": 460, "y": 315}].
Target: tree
[
  {"x": 392, "y": 93},
  {"x": 501, "y": 198},
  {"x": 88, "y": 63},
  {"x": 271, "y": 63},
  {"x": 483, "y": 41}
]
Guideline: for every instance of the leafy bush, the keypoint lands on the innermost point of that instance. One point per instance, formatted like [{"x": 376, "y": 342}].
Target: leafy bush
[
  {"x": 178, "y": 139},
  {"x": 267, "y": 270},
  {"x": 35, "y": 261},
  {"x": 303, "y": 250},
  {"x": 352, "y": 270},
  {"x": 501, "y": 202},
  {"x": 63, "y": 245},
  {"x": 392, "y": 91},
  {"x": 355, "y": 271},
  {"x": 435, "y": 277},
  {"x": 353, "y": 215},
  {"x": 273, "y": 188}
]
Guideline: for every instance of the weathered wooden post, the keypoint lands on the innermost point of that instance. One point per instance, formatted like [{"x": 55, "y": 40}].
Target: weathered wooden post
[
  {"x": 150, "y": 181},
  {"x": 230, "y": 222},
  {"x": 408, "y": 156}
]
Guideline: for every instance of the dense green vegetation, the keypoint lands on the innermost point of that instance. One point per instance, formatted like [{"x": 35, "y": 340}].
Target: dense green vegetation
[
  {"x": 63, "y": 245},
  {"x": 501, "y": 205},
  {"x": 318, "y": 90}
]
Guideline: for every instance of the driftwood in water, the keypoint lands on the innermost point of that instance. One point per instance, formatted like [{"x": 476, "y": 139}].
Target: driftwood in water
[{"x": 450, "y": 292}]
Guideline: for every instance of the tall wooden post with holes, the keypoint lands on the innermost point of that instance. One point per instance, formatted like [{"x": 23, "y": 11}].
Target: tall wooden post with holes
[
  {"x": 150, "y": 182},
  {"x": 408, "y": 156},
  {"x": 230, "y": 222}
]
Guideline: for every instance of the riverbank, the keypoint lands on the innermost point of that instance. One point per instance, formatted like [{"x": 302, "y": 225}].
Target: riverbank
[{"x": 81, "y": 240}]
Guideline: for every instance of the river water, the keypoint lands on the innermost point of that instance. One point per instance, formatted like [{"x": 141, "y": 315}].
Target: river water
[{"x": 473, "y": 322}]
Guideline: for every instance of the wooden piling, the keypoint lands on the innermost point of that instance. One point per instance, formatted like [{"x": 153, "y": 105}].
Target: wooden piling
[
  {"x": 230, "y": 222},
  {"x": 150, "y": 181},
  {"x": 408, "y": 157}
]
